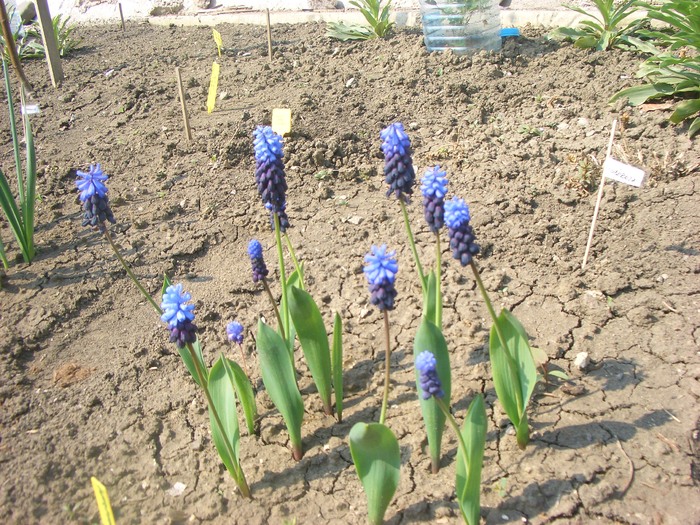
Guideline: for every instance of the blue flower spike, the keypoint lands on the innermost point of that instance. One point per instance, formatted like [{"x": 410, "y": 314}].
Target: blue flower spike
[
  {"x": 93, "y": 196},
  {"x": 430, "y": 384},
  {"x": 398, "y": 166},
  {"x": 255, "y": 252},
  {"x": 434, "y": 188},
  {"x": 462, "y": 239},
  {"x": 178, "y": 315},
  {"x": 269, "y": 173},
  {"x": 234, "y": 331},
  {"x": 381, "y": 269}
]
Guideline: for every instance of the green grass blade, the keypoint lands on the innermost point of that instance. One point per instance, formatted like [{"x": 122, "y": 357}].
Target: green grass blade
[
  {"x": 377, "y": 457},
  {"x": 221, "y": 389},
  {"x": 430, "y": 338},
  {"x": 3, "y": 258},
  {"x": 279, "y": 379},
  {"x": 13, "y": 131},
  {"x": 468, "y": 484},
  {"x": 244, "y": 391},
  {"x": 314, "y": 342},
  {"x": 30, "y": 190},
  {"x": 13, "y": 214},
  {"x": 337, "y": 364}
]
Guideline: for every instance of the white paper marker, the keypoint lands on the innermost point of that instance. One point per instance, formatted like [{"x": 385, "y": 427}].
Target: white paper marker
[
  {"x": 281, "y": 120},
  {"x": 621, "y": 172}
]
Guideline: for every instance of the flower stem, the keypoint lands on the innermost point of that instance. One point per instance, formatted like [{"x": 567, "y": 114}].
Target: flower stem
[
  {"x": 453, "y": 423},
  {"x": 387, "y": 368},
  {"x": 412, "y": 244},
  {"x": 239, "y": 476},
  {"x": 284, "y": 327},
  {"x": 274, "y": 307},
  {"x": 129, "y": 272},
  {"x": 438, "y": 281},
  {"x": 295, "y": 262}
]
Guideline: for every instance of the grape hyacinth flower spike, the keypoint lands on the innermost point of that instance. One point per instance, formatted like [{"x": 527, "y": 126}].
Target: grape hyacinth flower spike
[
  {"x": 398, "y": 166},
  {"x": 434, "y": 188},
  {"x": 462, "y": 239},
  {"x": 93, "y": 196},
  {"x": 269, "y": 173},
  {"x": 178, "y": 315},
  {"x": 381, "y": 270},
  {"x": 234, "y": 332},
  {"x": 430, "y": 384}
]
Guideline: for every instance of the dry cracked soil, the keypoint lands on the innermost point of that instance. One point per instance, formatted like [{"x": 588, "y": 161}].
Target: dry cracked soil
[{"x": 92, "y": 387}]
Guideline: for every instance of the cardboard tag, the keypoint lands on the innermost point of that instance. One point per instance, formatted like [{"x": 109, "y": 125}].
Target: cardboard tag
[
  {"x": 103, "y": 505},
  {"x": 213, "y": 85},
  {"x": 217, "y": 40},
  {"x": 282, "y": 120},
  {"x": 621, "y": 172}
]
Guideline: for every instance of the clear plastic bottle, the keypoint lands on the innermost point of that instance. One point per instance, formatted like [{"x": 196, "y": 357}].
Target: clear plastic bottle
[{"x": 464, "y": 26}]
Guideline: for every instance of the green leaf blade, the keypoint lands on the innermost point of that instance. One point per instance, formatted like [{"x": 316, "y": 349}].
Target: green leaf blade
[
  {"x": 226, "y": 439},
  {"x": 337, "y": 365},
  {"x": 468, "y": 482},
  {"x": 244, "y": 391}
]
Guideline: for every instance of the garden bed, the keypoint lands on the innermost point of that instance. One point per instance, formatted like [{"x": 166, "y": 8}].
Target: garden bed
[{"x": 91, "y": 386}]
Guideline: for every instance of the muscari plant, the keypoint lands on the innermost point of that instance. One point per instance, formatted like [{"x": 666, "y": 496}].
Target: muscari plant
[
  {"x": 225, "y": 382},
  {"x": 298, "y": 316},
  {"x": 377, "y": 17},
  {"x": 19, "y": 213}
]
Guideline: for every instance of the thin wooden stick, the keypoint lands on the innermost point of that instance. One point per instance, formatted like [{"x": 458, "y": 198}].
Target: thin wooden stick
[
  {"x": 185, "y": 117},
  {"x": 53, "y": 55},
  {"x": 600, "y": 197},
  {"x": 121, "y": 15},
  {"x": 269, "y": 37}
]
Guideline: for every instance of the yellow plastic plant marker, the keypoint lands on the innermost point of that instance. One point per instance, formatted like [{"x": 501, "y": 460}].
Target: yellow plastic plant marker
[
  {"x": 213, "y": 85},
  {"x": 282, "y": 120},
  {"x": 217, "y": 40},
  {"x": 103, "y": 505}
]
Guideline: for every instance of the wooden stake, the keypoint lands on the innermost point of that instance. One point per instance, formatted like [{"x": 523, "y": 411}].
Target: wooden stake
[
  {"x": 121, "y": 15},
  {"x": 269, "y": 37},
  {"x": 12, "y": 50},
  {"x": 53, "y": 57},
  {"x": 185, "y": 117},
  {"x": 600, "y": 196}
]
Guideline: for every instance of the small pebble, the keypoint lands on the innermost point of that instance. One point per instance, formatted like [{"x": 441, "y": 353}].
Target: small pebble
[{"x": 582, "y": 361}]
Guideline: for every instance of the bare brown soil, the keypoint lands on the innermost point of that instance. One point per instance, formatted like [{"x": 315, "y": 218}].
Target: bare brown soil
[{"x": 91, "y": 386}]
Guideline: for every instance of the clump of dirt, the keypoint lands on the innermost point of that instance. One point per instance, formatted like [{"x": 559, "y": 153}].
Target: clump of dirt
[{"x": 521, "y": 134}]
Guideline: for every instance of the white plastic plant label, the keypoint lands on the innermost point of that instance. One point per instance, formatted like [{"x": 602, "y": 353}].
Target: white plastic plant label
[{"x": 621, "y": 172}]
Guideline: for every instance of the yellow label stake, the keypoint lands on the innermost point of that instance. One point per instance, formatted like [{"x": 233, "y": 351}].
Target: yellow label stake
[
  {"x": 282, "y": 120},
  {"x": 217, "y": 40},
  {"x": 103, "y": 505},
  {"x": 213, "y": 85}
]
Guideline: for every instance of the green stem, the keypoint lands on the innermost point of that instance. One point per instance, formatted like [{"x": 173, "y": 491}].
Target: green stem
[
  {"x": 240, "y": 477},
  {"x": 283, "y": 281},
  {"x": 129, "y": 272},
  {"x": 453, "y": 423},
  {"x": 513, "y": 366},
  {"x": 412, "y": 244},
  {"x": 274, "y": 306},
  {"x": 438, "y": 281},
  {"x": 387, "y": 367},
  {"x": 295, "y": 262}
]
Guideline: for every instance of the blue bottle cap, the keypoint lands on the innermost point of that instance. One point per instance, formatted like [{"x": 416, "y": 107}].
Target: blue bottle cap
[{"x": 510, "y": 31}]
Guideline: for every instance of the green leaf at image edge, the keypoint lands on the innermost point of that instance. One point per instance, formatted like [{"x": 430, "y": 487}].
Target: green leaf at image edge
[
  {"x": 468, "y": 484},
  {"x": 377, "y": 457}
]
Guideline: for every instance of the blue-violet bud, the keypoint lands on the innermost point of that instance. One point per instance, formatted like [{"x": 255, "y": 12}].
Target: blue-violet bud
[
  {"x": 430, "y": 384},
  {"x": 434, "y": 188},
  {"x": 93, "y": 195},
  {"x": 462, "y": 239},
  {"x": 381, "y": 272},
  {"x": 234, "y": 331},
  {"x": 255, "y": 252},
  {"x": 269, "y": 171},
  {"x": 178, "y": 315},
  {"x": 398, "y": 166}
]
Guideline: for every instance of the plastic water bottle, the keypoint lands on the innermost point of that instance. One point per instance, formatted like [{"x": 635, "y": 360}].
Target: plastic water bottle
[{"x": 464, "y": 26}]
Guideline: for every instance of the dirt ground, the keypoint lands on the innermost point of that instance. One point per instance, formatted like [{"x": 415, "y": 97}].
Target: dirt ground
[{"x": 91, "y": 387}]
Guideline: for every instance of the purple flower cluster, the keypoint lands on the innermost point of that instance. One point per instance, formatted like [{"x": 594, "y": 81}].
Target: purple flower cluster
[
  {"x": 462, "y": 239},
  {"x": 269, "y": 173},
  {"x": 398, "y": 166},
  {"x": 255, "y": 252},
  {"x": 381, "y": 270},
  {"x": 434, "y": 188},
  {"x": 93, "y": 195},
  {"x": 430, "y": 384},
  {"x": 234, "y": 331},
  {"x": 178, "y": 315}
]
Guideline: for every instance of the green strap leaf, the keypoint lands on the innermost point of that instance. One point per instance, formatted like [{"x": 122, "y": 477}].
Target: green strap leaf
[
  {"x": 30, "y": 189},
  {"x": 244, "y": 391},
  {"x": 226, "y": 439},
  {"x": 430, "y": 338},
  {"x": 279, "y": 379},
  {"x": 430, "y": 298},
  {"x": 337, "y": 364},
  {"x": 311, "y": 331},
  {"x": 685, "y": 109},
  {"x": 375, "y": 452},
  {"x": 468, "y": 482}
]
